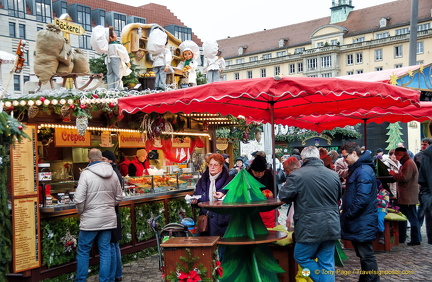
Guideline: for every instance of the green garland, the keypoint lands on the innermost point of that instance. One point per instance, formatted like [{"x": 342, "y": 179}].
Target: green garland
[
  {"x": 177, "y": 206},
  {"x": 53, "y": 250},
  {"x": 11, "y": 131},
  {"x": 144, "y": 214},
  {"x": 126, "y": 222}
]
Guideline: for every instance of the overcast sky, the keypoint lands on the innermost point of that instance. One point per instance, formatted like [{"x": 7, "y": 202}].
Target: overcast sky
[{"x": 237, "y": 17}]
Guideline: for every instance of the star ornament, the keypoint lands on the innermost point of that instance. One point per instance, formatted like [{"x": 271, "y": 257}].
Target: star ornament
[{"x": 393, "y": 79}]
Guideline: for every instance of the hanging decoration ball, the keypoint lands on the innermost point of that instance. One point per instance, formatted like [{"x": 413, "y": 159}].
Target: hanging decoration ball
[
  {"x": 95, "y": 96},
  {"x": 62, "y": 101},
  {"x": 38, "y": 102},
  {"x": 46, "y": 102},
  {"x": 54, "y": 101},
  {"x": 20, "y": 127},
  {"x": 83, "y": 106},
  {"x": 111, "y": 105},
  {"x": 42, "y": 99},
  {"x": 70, "y": 101},
  {"x": 15, "y": 103},
  {"x": 72, "y": 106},
  {"x": 30, "y": 102}
]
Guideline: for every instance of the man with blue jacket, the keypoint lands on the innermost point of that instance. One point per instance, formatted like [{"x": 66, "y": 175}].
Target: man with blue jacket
[{"x": 359, "y": 219}]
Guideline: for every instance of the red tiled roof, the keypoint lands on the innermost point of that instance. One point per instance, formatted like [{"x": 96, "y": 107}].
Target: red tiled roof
[
  {"x": 153, "y": 13},
  {"x": 358, "y": 22}
]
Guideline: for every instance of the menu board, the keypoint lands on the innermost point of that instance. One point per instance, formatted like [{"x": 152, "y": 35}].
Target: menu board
[
  {"x": 23, "y": 164},
  {"x": 25, "y": 223}
]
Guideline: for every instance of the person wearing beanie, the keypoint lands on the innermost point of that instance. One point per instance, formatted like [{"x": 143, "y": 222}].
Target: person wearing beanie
[
  {"x": 379, "y": 154},
  {"x": 258, "y": 169},
  {"x": 116, "y": 262}
]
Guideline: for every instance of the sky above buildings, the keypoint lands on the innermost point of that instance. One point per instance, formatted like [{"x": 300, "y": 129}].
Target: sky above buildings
[{"x": 219, "y": 19}]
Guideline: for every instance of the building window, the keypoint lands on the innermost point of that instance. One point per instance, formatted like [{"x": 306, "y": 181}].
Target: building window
[
  {"x": 334, "y": 42},
  {"x": 253, "y": 59},
  {"x": 326, "y": 62},
  {"x": 17, "y": 84},
  {"x": 299, "y": 50},
  {"x": 228, "y": 63},
  {"x": 398, "y": 51},
  {"x": 267, "y": 56},
  {"x": 26, "y": 58},
  {"x": 312, "y": 64},
  {"x": 240, "y": 61},
  {"x": 39, "y": 28},
  {"x": 398, "y": 66},
  {"x": 249, "y": 74},
  {"x": 12, "y": 29},
  {"x": 420, "y": 47},
  {"x": 350, "y": 72},
  {"x": 43, "y": 11},
  {"x": 320, "y": 44},
  {"x": 236, "y": 76},
  {"x": 16, "y": 8},
  {"x": 358, "y": 39},
  {"x": 26, "y": 78},
  {"x": 181, "y": 32},
  {"x": 84, "y": 42},
  {"x": 401, "y": 31},
  {"x": 378, "y": 68},
  {"x": 263, "y": 73},
  {"x": 350, "y": 59},
  {"x": 313, "y": 75},
  {"x": 425, "y": 26},
  {"x": 328, "y": 74},
  {"x": 280, "y": 53},
  {"x": 22, "y": 31},
  {"x": 420, "y": 63},
  {"x": 84, "y": 17},
  {"x": 359, "y": 58},
  {"x": 119, "y": 23},
  {"x": 382, "y": 35},
  {"x": 292, "y": 68},
  {"x": 300, "y": 67},
  {"x": 359, "y": 71},
  {"x": 378, "y": 55},
  {"x": 277, "y": 70}
]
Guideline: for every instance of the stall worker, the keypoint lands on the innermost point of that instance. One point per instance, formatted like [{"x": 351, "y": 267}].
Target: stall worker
[{"x": 140, "y": 165}]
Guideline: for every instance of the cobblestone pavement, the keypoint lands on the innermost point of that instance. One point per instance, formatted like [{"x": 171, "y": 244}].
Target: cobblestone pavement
[{"x": 402, "y": 263}]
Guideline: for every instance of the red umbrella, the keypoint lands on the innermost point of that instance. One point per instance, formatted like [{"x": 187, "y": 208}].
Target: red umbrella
[
  {"x": 267, "y": 99},
  {"x": 319, "y": 123}
]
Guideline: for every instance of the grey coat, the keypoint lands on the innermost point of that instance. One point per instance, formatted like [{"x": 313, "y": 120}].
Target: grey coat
[
  {"x": 97, "y": 194},
  {"x": 315, "y": 191}
]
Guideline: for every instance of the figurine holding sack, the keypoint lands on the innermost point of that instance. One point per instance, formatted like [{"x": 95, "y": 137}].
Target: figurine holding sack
[
  {"x": 160, "y": 55},
  {"x": 104, "y": 41},
  {"x": 214, "y": 64}
]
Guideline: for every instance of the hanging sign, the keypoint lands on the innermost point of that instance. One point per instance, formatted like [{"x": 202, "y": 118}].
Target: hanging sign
[
  {"x": 69, "y": 27},
  {"x": 132, "y": 140},
  {"x": 221, "y": 144},
  {"x": 64, "y": 137},
  {"x": 181, "y": 142}
]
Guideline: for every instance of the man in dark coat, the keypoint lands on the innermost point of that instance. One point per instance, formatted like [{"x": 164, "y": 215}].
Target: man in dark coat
[
  {"x": 315, "y": 191},
  {"x": 425, "y": 181},
  {"x": 359, "y": 219},
  {"x": 258, "y": 169}
]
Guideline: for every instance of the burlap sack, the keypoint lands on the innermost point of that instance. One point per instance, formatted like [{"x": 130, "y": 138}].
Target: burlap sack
[
  {"x": 81, "y": 64},
  {"x": 63, "y": 68},
  {"x": 65, "y": 55},
  {"x": 49, "y": 44}
]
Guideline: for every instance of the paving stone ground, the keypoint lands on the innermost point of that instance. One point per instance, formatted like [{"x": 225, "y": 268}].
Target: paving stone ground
[{"x": 402, "y": 263}]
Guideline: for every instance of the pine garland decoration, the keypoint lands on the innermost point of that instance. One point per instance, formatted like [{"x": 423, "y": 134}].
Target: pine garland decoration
[{"x": 186, "y": 268}]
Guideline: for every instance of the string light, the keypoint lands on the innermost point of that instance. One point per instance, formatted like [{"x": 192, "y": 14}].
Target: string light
[{"x": 91, "y": 128}]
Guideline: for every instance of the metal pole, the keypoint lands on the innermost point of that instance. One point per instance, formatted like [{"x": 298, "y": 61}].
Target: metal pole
[
  {"x": 273, "y": 148},
  {"x": 365, "y": 133},
  {"x": 413, "y": 33}
]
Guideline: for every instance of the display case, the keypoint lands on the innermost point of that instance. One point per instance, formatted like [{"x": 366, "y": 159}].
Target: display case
[{"x": 135, "y": 186}]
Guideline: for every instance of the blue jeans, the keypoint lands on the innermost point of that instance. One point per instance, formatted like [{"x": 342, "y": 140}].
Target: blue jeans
[
  {"x": 116, "y": 262},
  {"x": 381, "y": 217},
  {"x": 410, "y": 211},
  {"x": 368, "y": 263},
  {"x": 85, "y": 243},
  {"x": 324, "y": 268}
]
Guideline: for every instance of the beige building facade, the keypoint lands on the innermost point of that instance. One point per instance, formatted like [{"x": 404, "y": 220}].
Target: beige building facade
[{"x": 347, "y": 42}]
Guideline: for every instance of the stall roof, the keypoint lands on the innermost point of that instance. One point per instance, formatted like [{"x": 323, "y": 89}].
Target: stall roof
[{"x": 416, "y": 77}]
